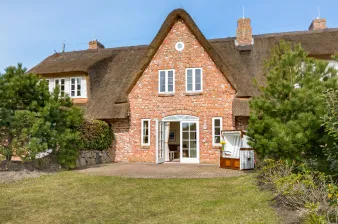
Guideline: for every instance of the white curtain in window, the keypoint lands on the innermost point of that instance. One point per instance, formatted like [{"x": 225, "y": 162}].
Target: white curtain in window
[{"x": 166, "y": 140}]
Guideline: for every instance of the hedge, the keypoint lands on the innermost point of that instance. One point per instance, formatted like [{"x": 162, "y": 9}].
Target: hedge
[{"x": 96, "y": 135}]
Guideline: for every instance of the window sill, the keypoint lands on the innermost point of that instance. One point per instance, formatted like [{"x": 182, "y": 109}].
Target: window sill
[
  {"x": 145, "y": 146},
  {"x": 79, "y": 100},
  {"x": 166, "y": 94},
  {"x": 193, "y": 93}
]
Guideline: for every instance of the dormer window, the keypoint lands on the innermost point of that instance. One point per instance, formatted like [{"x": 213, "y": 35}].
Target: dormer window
[
  {"x": 193, "y": 77},
  {"x": 166, "y": 81},
  {"x": 61, "y": 84},
  {"x": 75, "y": 87}
]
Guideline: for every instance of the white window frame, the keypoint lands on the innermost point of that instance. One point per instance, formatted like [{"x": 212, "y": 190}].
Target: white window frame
[
  {"x": 193, "y": 81},
  {"x": 50, "y": 85},
  {"x": 142, "y": 143},
  {"x": 68, "y": 85},
  {"x": 64, "y": 85},
  {"x": 213, "y": 130},
  {"x": 166, "y": 81},
  {"x": 70, "y": 88}
]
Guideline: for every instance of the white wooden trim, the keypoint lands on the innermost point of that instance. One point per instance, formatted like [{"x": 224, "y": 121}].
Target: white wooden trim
[
  {"x": 70, "y": 87},
  {"x": 213, "y": 130},
  {"x": 84, "y": 87},
  {"x": 193, "y": 81},
  {"x": 190, "y": 160},
  {"x": 156, "y": 153},
  {"x": 65, "y": 85},
  {"x": 50, "y": 85},
  {"x": 166, "y": 74},
  {"x": 83, "y": 82},
  {"x": 145, "y": 144}
]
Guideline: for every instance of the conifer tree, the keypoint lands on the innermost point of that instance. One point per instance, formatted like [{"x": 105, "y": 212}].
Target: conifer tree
[
  {"x": 285, "y": 119},
  {"x": 331, "y": 126},
  {"x": 33, "y": 120}
]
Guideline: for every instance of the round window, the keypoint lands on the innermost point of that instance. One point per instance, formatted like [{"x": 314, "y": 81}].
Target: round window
[{"x": 179, "y": 46}]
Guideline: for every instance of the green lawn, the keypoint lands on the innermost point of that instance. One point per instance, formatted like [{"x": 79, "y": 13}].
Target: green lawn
[{"x": 70, "y": 197}]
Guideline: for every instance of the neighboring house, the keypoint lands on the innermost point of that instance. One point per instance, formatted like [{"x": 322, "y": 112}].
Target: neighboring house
[{"x": 172, "y": 98}]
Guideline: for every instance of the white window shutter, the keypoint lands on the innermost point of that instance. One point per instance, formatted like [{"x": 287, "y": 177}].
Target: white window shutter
[
  {"x": 84, "y": 87},
  {"x": 51, "y": 85},
  {"x": 67, "y": 86}
]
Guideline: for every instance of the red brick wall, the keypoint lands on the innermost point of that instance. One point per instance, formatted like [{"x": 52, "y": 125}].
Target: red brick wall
[{"x": 145, "y": 102}]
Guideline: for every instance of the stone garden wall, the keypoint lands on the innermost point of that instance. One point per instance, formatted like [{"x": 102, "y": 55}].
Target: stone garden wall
[{"x": 93, "y": 157}]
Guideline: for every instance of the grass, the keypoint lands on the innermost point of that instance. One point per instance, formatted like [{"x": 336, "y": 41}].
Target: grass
[{"x": 70, "y": 197}]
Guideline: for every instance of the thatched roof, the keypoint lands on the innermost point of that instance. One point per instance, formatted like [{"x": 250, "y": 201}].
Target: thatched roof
[
  {"x": 113, "y": 72},
  {"x": 109, "y": 72}
]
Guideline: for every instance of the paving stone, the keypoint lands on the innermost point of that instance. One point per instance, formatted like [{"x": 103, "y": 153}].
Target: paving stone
[{"x": 167, "y": 170}]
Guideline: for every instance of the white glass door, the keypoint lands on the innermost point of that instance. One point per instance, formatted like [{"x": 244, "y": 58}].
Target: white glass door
[
  {"x": 159, "y": 141},
  {"x": 189, "y": 142}
]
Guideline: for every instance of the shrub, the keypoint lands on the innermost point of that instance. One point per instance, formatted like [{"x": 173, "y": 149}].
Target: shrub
[
  {"x": 295, "y": 186},
  {"x": 96, "y": 135}
]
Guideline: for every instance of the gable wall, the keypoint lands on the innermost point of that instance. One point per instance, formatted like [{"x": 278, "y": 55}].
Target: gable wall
[{"x": 145, "y": 101}]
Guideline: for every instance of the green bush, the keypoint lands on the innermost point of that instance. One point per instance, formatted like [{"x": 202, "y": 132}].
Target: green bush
[
  {"x": 295, "y": 186},
  {"x": 313, "y": 215},
  {"x": 33, "y": 120},
  {"x": 331, "y": 126},
  {"x": 96, "y": 135}
]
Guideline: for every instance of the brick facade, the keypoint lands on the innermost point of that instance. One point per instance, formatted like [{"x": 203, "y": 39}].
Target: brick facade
[
  {"x": 146, "y": 103},
  {"x": 318, "y": 24},
  {"x": 244, "y": 32}
]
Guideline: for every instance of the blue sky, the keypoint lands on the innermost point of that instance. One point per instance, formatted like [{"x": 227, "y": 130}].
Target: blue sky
[{"x": 32, "y": 30}]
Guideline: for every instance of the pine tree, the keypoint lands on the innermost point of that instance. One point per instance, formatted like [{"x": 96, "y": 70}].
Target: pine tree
[
  {"x": 331, "y": 126},
  {"x": 33, "y": 120},
  {"x": 285, "y": 119}
]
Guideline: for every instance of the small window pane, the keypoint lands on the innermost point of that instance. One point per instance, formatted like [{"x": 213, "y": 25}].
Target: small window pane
[
  {"x": 198, "y": 87},
  {"x": 218, "y": 131},
  {"x": 198, "y": 79},
  {"x": 189, "y": 76},
  {"x": 217, "y": 126},
  {"x": 192, "y": 126},
  {"x": 145, "y": 140},
  {"x": 193, "y": 153},
  {"x": 189, "y": 87},
  {"x": 185, "y": 127},
  {"x": 170, "y": 81},
  {"x": 145, "y": 132},
  {"x": 193, "y": 144},
  {"x": 185, "y": 135},
  {"x": 162, "y": 81},
  {"x": 217, "y": 139}
]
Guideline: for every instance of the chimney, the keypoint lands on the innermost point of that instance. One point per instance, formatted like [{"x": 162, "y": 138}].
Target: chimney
[
  {"x": 94, "y": 44},
  {"x": 318, "y": 24},
  {"x": 244, "y": 32}
]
